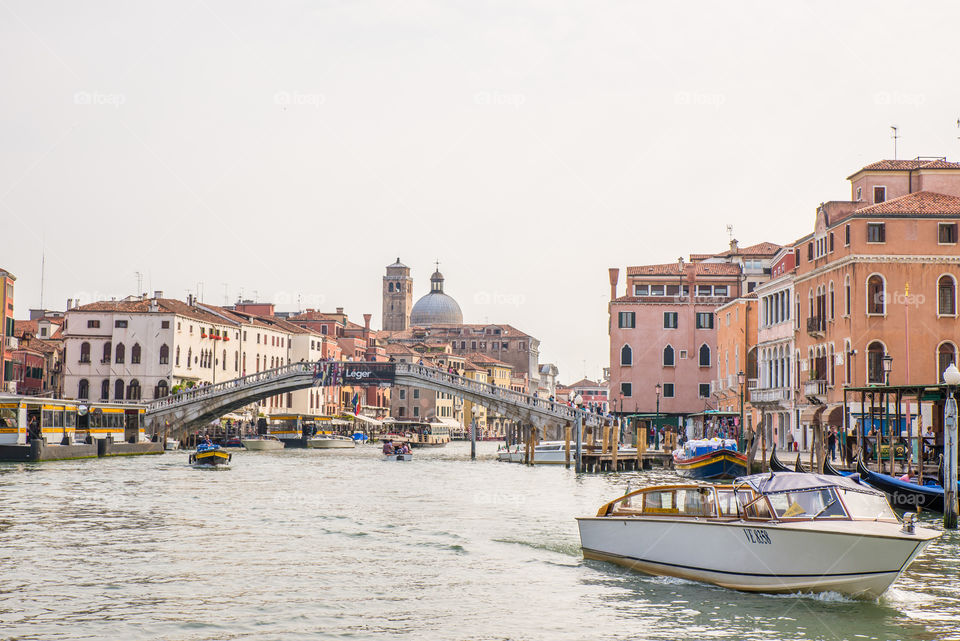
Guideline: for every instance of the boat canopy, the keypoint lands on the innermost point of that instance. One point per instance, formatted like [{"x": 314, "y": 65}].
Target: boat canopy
[{"x": 778, "y": 482}]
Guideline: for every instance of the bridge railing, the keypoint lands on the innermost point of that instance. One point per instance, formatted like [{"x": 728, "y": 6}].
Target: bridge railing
[
  {"x": 542, "y": 405},
  {"x": 208, "y": 391}
]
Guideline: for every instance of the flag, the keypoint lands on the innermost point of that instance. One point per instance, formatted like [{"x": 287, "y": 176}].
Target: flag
[{"x": 356, "y": 403}]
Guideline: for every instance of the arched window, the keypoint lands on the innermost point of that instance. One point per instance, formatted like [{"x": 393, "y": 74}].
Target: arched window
[
  {"x": 164, "y": 354},
  {"x": 118, "y": 390},
  {"x": 177, "y": 358},
  {"x": 847, "y": 364},
  {"x": 875, "y": 352},
  {"x": 223, "y": 361},
  {"x": 875, "y": 295},
  {"x": 133, "y": 390},
  {"x": 626, "y": 355},
  {"x": 668, "y": 360},
  {"x": 135, "y": 353},
  {"x": 704, "y": 355},
  {"x": 946, "y": 354},
  {"x": 121, "y": 353},
  {"x": 831, "y": 363},
  {"x": 83, "y": 389},
  {"x": 830, "y": 301},
  {"x": 84, "y": 352},
  {"x": 390, "y": 287},
  {"x": 105, "y": 390},
  {"x": 107, "y": 352},
  {"x": 946, "y": 296},
  {"x": 189, "y": 357},
  {"x": 161, "y": 390},
  {"x": 847, "y": 300}
]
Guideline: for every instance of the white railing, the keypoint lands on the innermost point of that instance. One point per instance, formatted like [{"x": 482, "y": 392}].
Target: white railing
[
  {"x": 770, "y": 395},
  {"x": 204, "y": 392},
  {"x": 815, "y": 388}
]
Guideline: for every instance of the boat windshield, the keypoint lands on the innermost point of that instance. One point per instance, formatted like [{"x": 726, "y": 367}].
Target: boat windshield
[
  {"x": 671, "y": 501},
  {"x": 868, "y": 507},
  {"x": 808, "y": 504}
]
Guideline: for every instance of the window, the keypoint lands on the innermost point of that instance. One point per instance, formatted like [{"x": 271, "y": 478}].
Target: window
[
  {"x": 876, "y": 233},
  {"x": 135, "y": 353},
  {"x": 118, "y": 390},
  {"x": 704, "y": 390},
  {"x": 161, "y": 390},
  {"x": 704, "y": 355},
  {"x": 107, "y": 352},
  {"x": 416, "y": 410},
  {"x": 403, "y": 394},
  {"x": 120, "y": 324},
  {"x": 668, "y": 390},
  {"x": 810, "y": 252},
  {"x": 627, "y": 320},
  {"x": 831, "y": 300},
  {"x": 670, "y": 320},
  {"x": 626, "y": 389},
  {"x": 704, "y": 320},
  {"x": 416, "y": 393},
  {"x": 133, "y": 390},
  {"x": 946, "y": 296},
  {"x": 704, "y": 290},
  {"x": 177, "y": 360},
  {"x": 164, "y": 325},
  {"x": 831, "y": 241},
  {"x": 121, "y": 351},
  {"x": 105, "y": 390},
  {"x": 668, "y": 357},
  {"x": 859, "y": 193},
  {"x": 946, "y": 354},
  {"x": 84, "y": 352},
  {"x": 626, "y": 355},
  {"x": 875, "y": 354},
  {"x": 847, "y": 301},
  {"x": 83, "y": 389},
  {"x": 875, "y": 295},
  {"x": 879, "y": 194},
  {"x": 164, "y": 354},
  {"x": 947, "y": 233},
  {"x": 846, "y": 235},
  {"x": 719, "y": 290},
  {"x": 93, "y": 324}
]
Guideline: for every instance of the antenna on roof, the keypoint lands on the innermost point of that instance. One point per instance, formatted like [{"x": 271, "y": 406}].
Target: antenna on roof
[
  {"x": 730, "y": 232},
  {"x": 895, "y": 136},
  {"x": 139, "y": 282}
]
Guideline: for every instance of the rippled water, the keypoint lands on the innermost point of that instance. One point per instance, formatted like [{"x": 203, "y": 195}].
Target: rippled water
[{"x": 304, "y": 544}]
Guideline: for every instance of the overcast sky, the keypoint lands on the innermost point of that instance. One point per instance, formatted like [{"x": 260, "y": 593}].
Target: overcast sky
[{"x": 294, "y": 149}]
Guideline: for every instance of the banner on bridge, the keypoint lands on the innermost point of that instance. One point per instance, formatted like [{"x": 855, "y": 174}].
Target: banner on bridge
[{"x": 357, "y": 374}]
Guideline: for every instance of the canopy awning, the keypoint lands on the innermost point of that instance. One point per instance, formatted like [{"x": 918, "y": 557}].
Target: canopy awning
[
  {"x": 811, "y": 414},
  {"x": 365, "y": 419},
  {"x": 776, "y": 482},
  {"x": 834, "y": 416},
  {"x": 449, "y": 422}
]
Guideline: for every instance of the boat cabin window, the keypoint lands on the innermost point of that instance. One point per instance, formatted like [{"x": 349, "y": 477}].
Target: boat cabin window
[
  {"x": 8, "y": 417},
  {"x": 808, "y": 504},
  {"x": 868, "y": 506},
  {"x": 680, "y": 502},
  {"x": 659, "y": 502},
  {"x": 727, "y": 502}
]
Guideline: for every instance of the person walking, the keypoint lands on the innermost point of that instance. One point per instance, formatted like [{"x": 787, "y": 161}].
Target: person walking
[{"x": 790, "y": 440}]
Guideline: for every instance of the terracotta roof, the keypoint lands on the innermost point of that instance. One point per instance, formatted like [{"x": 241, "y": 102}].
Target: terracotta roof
[
  {"x": 673, "y": 269},
  {"x": 907, "y": 165},
  {"x": 166, "y": 305},
  {"x": 482, "y": 359},
  {"x": 315, "y": 315},
  {"x": 400, "y": 348},
  {"x": 585, "y": 382},
  {"x": 40, "y": 345},
  {"x": 920, "y": 203}
]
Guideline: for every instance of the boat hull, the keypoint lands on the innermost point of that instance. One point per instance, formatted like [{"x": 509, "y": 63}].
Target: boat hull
[
  {"x": 902, "y": 494},
  {"x": 721, "y": 464},
  {"x": 330, "y": 444},
  {"x": 260, "y": 445},
  {"x": 757, "y": 557},
  {"x": 398, "y": 457},
  {"x": 210, "y": 458}
]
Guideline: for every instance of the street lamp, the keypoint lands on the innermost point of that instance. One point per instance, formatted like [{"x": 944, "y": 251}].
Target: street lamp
[
  {"x": 887, "y": 361},
  {"x": 952, "y": 378},
  {"x": 656, "y": 426}
]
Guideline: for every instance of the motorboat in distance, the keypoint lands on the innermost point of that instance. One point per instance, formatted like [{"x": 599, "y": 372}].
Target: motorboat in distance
[
  {"x": 775, "y": 532},
  {"x": 210, "y": 455},
  {"x": 263, "y": 443},
  {"x": 327, "y": 441}
]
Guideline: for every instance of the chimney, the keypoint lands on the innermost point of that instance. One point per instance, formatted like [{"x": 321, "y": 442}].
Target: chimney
[
  {"x": 158, "y": 294},
  {"x": 366, "y": 321},
  {"x": 734, "y": 247},
  {"x": 190, "y": 300},
  {"x": 614, "y": 279},
  {"x": 340, "y": 310},
  {"x": 69, "y": 303}
]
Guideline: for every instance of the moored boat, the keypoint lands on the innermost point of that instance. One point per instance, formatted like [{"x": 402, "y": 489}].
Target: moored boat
[
  {"x": 905, "y": 495},
  {"x": 329, "y": 441},
  {"x": 263, "y": 443},
  {"x": 776, "y": 464},
  {"x": 707, "y": 459},
  {"x": 172, "y": 444},
  {"x": 210, "y": 455},
  {"x": 772, "y": 532}
]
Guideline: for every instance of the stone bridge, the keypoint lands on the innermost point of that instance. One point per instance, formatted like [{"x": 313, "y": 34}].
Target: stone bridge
[{"x": 197, "y": 406}]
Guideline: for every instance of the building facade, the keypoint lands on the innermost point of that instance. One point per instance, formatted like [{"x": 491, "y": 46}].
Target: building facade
[{"x": 7, "y": 383}]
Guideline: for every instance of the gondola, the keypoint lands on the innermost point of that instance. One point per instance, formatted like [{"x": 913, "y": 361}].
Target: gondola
[
  {"x": 829, "y": 469},
  {"x": 775, "y": 464},
  {"x": 798, "y": 466},
  {"x": 904, "y": 495}
]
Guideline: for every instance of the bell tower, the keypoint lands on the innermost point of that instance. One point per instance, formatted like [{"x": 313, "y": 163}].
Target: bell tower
[{"x": 397, "y": 297}]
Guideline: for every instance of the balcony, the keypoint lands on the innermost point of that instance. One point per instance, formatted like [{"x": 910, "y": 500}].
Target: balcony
[
  {"x": 815, "y": 390},
  {"x": 770, "y": 396},
  {"x": 11, "y": 342},
  {"x": 817, "y": 326}
]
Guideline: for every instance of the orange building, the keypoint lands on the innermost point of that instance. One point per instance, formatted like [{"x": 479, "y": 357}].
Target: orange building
[{"x": 6, "y": 330}]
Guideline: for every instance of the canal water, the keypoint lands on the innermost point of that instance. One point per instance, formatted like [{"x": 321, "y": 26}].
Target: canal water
[{"x": 312, "y": 544}]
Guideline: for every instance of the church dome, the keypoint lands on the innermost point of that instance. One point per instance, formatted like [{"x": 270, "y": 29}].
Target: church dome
[{"x": 436, "y": 308}]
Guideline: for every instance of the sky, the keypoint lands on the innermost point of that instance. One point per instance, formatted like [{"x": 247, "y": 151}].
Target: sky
[{"x": 289, "y": 151}]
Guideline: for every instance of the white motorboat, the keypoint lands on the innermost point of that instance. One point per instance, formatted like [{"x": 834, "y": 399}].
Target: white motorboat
[
  {"x": 172, "y": 444},
  {"x": 262, "y": 443},
  {"x": 776, "y": 532},
  {"x": 330, "y": 441},
  {"x": 398, "y": 457}
]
